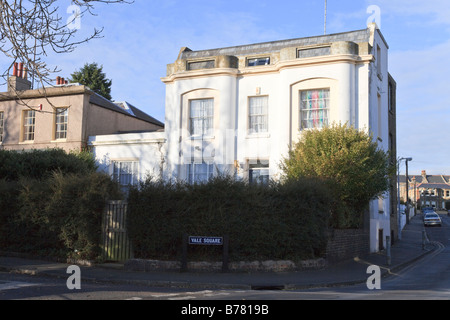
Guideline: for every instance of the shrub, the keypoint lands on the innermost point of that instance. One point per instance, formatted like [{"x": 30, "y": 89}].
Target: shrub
[
  {"x": 76, "y": 207},
  {"x": 51, "y": 203},
  {"x": 355, "y": 167},
  {"x": 39, "y": 164},
  {"x": 59, "y": 216},
  {"x": 277, "y": 221}
]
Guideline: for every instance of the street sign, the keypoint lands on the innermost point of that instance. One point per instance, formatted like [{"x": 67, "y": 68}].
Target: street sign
[
  {"x": 205, "y": 241},
  {"x": 213, "y": 241}
]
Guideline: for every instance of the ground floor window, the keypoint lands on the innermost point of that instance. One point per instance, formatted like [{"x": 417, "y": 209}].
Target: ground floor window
[
  {"x": 125, "y": 173},
  {"x": 200, "y": 172},
  {"x": 258, "y": 171}
]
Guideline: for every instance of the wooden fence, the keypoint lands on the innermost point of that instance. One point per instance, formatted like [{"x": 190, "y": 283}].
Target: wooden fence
[{"x": 115, "y": 243}]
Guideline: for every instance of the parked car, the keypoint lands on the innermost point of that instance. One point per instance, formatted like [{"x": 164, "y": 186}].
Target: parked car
[
  {"x": 427, "y": 209},
  {"x": 432, "y": 219}
]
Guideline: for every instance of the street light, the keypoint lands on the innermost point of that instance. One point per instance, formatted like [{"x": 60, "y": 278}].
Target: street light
[
  {"x": 407, "y": 190},
  {"x": 398, "y": 194}
]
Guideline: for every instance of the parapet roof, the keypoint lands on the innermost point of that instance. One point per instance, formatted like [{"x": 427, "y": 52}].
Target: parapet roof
[{"x": 358, "y": 36}]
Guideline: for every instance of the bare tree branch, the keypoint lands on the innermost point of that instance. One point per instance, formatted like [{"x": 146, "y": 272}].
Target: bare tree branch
[{"x": 30, "y": 29}]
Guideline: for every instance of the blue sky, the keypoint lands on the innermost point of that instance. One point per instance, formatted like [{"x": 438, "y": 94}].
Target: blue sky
[{"x": 140, "y": 39}]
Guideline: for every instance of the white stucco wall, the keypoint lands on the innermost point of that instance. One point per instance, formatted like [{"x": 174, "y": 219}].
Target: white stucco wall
[
  {"x": 355, "y": 83},
  {"x": 147, "y": 149}
]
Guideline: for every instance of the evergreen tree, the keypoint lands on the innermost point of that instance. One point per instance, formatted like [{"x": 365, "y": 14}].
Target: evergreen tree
[{"x": 92, "y": 76}]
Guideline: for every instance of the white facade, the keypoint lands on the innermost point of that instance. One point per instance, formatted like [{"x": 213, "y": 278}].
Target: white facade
[
  {"x": 350, "y": 69},
  {"x": 239, "y": 110},
  {"x": 130, "y": 157}
]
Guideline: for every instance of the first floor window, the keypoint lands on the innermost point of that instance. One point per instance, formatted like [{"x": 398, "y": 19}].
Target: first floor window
[
  {"x": 258, "y": 114},
  {"x": 258, "y": 172},
  {"x": 125, "y": 173},
  {"x": 1, "y": 126},
  {"x": 29, "y": 121},
  {"x": 314, "y": 108},
  {"x": 201, "y": 117},
  {"x": 61, "y": 123},
  {"x": 200, "y": 172}
]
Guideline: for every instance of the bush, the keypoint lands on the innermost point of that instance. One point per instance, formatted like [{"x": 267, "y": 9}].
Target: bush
[
  {"x": 76, "y": 208},
  {"x": 51, "y": 203},
  {"x": 59, "y": 216},
  {"x": 358, "y": 171},
  {"x": 39, "y": 164},
  {"x": 286, "y": 221}
]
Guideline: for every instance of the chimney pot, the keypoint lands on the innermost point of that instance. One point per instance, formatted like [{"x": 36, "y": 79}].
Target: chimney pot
[
  {"x": 20, "y": 74},
  {"x": 15, "y": 69},
  {"x": 58, "y": 80}
]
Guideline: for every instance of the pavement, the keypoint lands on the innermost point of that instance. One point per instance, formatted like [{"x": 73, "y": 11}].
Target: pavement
[{"x": 405, "y": 251}]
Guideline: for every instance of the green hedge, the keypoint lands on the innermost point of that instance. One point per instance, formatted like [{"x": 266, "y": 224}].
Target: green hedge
[
  {"x": 51, "y": 203},
  {"x": 278, "y": 221},
  {"x": 59, "y": 216},
  {"x": 39, "y": 164}
]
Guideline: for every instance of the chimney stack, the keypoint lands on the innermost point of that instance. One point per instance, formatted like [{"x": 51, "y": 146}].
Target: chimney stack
[
  {"x": 18, "y": 81},
  {"x": 61, "y": 81}
]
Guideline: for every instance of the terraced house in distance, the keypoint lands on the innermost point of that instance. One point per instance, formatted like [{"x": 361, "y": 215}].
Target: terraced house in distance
[
  {"x": 238, "y": 110},
  {"x": 61, "y": 116}
]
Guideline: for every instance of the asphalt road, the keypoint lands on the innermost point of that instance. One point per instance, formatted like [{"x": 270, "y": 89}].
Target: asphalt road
[{"x": 427, "y": 279}]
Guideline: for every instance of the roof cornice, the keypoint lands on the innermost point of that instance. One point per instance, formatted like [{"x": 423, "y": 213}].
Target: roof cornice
[
  {"x": 276, "y": 68},
  {"x": 47, "y": 92}
]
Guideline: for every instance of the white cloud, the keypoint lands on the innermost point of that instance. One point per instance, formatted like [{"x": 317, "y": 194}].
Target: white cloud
[{"x": 433, "y": 11}]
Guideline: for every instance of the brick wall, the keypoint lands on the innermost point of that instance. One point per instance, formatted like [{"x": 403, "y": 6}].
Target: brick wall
[{"x": 347, "y": 244}]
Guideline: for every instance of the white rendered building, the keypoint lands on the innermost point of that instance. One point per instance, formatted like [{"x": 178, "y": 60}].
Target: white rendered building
[{"x": 238, "y": 110}]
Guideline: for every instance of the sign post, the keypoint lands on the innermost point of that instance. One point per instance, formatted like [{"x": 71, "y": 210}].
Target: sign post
[{"x": 205, "y": 241}]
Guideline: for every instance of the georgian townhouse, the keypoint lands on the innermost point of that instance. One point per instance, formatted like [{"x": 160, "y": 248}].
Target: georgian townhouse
[{"x": 238, "y": 110}]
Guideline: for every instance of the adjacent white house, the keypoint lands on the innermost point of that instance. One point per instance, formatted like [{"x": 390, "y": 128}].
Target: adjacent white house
[
  {"x": 238, "y": 110},
  {"x": 130, "y": 157}
]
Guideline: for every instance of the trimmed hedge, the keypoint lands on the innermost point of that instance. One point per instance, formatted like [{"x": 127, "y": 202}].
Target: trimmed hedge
[
  {"x": 277, "y": 221},
  {"x": 39, "y": 164},
  {"x": 51, "y": 203}
]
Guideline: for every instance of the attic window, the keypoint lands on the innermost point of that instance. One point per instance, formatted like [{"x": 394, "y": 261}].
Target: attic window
[
  {"x": 258, "y": 62},
  {"x": 197, "y": 65}
]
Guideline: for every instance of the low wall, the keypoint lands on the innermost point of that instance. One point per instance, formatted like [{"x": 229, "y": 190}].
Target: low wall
[
  {"x": 347, "y": 244},
  {"x": 342, "y": 245},
  {"x": 241, "y": 266}
]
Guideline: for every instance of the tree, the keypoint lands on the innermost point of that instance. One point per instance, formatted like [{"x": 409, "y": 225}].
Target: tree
[
  {"x": 30, "y": 29},
  {"x": 349, "y": 159},
  {"x": 92, "y": 76}
]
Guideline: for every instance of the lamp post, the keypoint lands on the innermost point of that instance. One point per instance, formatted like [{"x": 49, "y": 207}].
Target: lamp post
[
  {"x": 398, "y": 195},
  {"x": 407, "y": 190}
]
